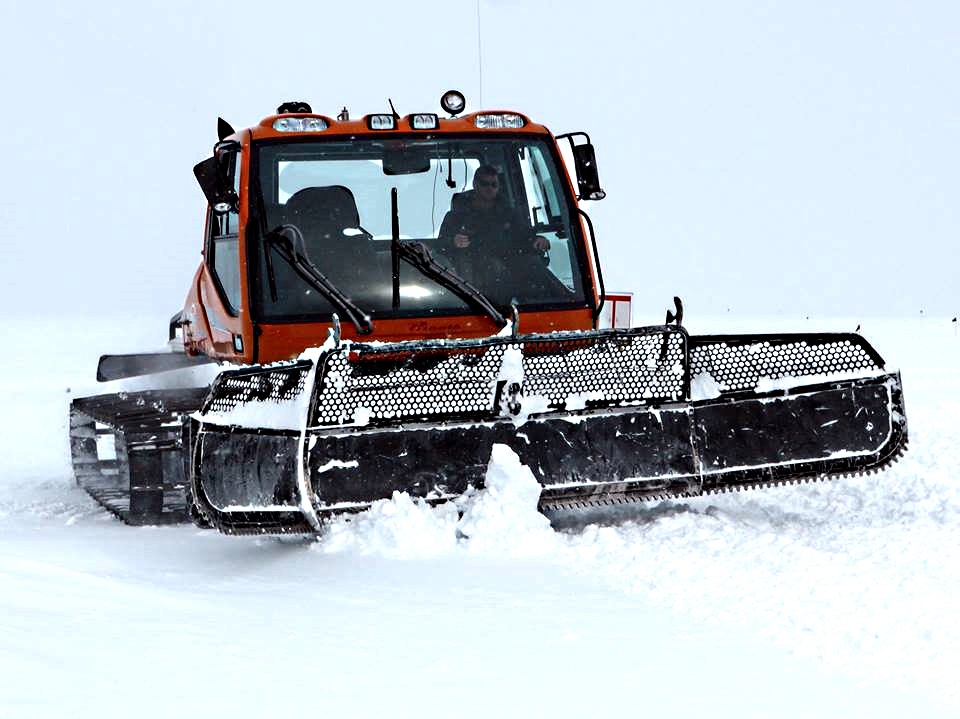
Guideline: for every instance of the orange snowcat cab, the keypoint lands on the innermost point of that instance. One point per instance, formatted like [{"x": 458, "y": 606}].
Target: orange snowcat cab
[
  {"x": 407, "y": 292},
  {"x": 353, "y": 166}
]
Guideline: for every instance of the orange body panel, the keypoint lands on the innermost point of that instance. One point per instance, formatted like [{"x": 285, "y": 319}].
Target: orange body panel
[
  {"x": 286, "y": 341},
  {"x": 209, "y": 328}
]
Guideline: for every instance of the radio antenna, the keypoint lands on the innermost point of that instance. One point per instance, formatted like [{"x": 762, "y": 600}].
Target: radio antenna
[{"x": 479, "y": 57}]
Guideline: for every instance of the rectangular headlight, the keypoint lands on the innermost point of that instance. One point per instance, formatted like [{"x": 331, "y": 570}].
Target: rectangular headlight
[
  {"x": 500, "y": 122},
  {"x": 424, "y": 121},
  {"x": 299, "y": 124},
  {"x": 381, "y": 122}
]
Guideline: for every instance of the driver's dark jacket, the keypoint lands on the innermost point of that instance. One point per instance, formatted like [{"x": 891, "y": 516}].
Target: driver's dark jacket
[{"x": 496, "y": 232}]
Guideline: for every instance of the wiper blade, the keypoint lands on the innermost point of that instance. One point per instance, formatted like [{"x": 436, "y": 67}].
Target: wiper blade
[
  {"x": 287, "y": 241},
  {"x": 418, "y": 256}
]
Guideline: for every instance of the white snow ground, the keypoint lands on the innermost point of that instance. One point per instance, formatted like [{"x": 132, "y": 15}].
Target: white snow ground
[{"x": 832, "y": 599}]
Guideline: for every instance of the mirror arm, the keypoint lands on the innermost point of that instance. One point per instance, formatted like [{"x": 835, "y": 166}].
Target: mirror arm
[
  {"x": 570, "y": 135},
  {"x": 596, "y": 264}
]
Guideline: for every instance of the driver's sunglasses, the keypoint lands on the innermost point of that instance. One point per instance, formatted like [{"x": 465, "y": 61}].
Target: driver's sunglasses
[{"x": 487, "y": 183}]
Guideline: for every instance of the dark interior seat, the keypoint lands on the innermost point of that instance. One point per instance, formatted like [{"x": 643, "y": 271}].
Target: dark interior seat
[
  {"x": 325, "y": 216},
  {"x": 322, "y": 212}
]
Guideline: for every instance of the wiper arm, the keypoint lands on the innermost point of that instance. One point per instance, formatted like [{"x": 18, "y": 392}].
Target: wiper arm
[
  {"x": 418, "y": 256},
  {"x": 287, "y": 241}
]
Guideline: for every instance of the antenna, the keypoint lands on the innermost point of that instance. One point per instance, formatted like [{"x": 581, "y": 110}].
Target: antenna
[{"x": 479, "y": 57}]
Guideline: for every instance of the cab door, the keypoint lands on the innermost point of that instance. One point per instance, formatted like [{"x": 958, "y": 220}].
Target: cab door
[{"x": 220, "y": 287}]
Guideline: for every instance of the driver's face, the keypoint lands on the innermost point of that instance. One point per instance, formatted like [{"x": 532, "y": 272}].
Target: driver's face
[{"x": 486, "y": 186}]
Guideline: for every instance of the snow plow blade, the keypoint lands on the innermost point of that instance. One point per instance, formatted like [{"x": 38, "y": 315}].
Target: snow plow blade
[{"x": 599, "y": 417}]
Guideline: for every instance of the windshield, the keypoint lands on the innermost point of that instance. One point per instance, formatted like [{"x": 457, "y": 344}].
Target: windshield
[{"x": 493, "y": 211}]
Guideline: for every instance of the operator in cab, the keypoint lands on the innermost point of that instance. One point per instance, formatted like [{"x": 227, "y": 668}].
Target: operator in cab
[{"x": 484, "y": 236}]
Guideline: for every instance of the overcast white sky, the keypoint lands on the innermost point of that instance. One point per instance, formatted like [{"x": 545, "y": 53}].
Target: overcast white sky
[{"x": 791, "y": 157}]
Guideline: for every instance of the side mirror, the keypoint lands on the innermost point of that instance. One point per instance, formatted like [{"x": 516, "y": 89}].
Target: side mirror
[
  {"x": 215, "y": 177},
  {"x": 585, "y": 161}
]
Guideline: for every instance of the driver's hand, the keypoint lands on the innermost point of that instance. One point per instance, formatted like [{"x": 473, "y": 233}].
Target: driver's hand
[
  {"x": 541, "y": 243},
  {"x": 461, "y": 241}
]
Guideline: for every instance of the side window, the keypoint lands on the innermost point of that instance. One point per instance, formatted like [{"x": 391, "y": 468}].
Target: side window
[
  {"x": 547, "y": 214},
  {"x": 224, "y": 247},
  {"x": 533, "y": 189},
  {"x": 546, "y": 181}
]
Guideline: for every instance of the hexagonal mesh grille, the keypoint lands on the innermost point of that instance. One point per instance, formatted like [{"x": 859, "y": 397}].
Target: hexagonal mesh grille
[
  {"x": 462, "y": 380},
  {"x": 630, "y": 369},
  {"x": 459, "y": 383},
  {"x": 257, "y": 385},
  {"x": 738, "y": 363}
]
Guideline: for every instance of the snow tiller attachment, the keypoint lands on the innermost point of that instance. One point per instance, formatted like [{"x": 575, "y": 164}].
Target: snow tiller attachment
[{"x": 599, "y": 417}]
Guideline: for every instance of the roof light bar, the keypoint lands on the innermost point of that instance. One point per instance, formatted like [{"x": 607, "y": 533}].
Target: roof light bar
[
  {"x": 381, "y": 122},
  {"x": 500, "y": 121},
  {"x": 300, "y": 124},
  {"x": 424, "y": 121}
]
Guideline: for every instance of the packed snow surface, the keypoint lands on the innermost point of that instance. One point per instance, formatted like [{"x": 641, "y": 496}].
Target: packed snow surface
[{"x": 826, "y": 599}]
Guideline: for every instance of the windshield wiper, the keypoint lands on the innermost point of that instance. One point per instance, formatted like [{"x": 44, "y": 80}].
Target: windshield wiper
[
  {"x": 418, "y": 256},
  {"x": 287, "y": 241}
]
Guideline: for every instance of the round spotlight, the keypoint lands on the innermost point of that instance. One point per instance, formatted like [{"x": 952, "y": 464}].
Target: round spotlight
[{"x": 453, "y": 102}]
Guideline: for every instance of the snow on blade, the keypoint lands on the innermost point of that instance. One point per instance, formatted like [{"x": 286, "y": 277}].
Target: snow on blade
[
  {"x": 579, "y": 400},
  {"x": 288, "y": 414},
  {"x": 268, "y": 414},
  {"x": 770, "y": 384},
  {"x": 704, "y": 386},
  {"x": 503, "y": 518}
]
